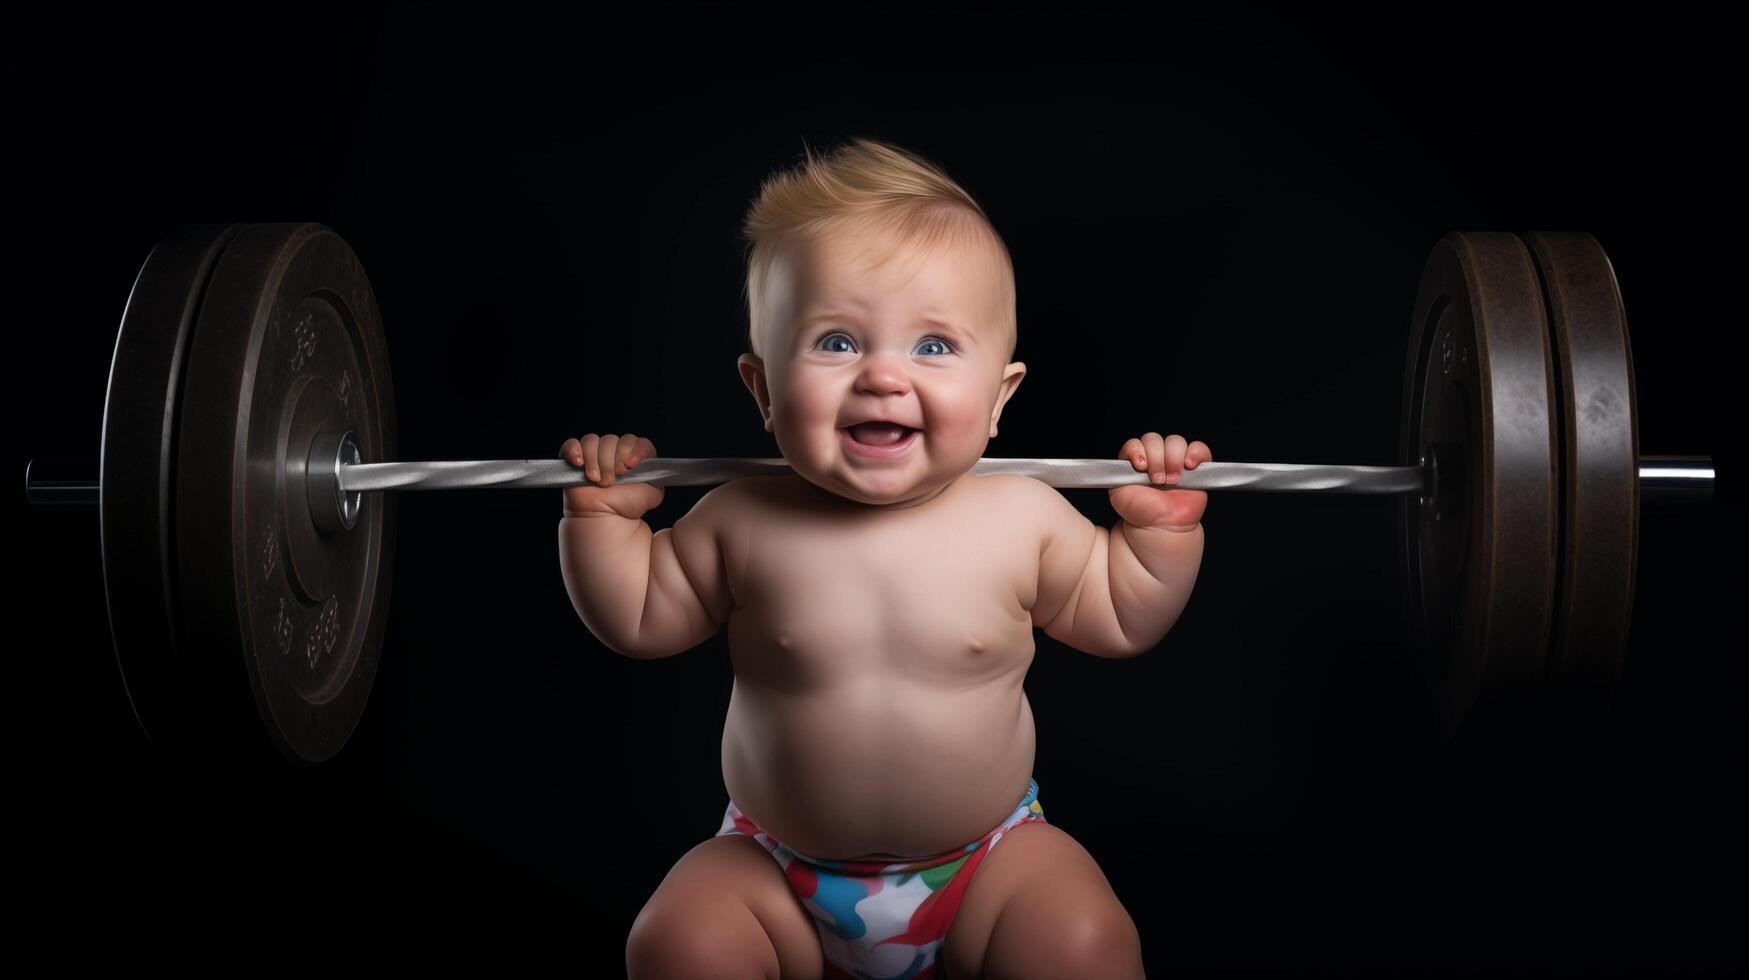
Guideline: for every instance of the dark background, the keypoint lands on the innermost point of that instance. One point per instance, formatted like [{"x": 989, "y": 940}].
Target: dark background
[{"x": 1218, "y": 221}]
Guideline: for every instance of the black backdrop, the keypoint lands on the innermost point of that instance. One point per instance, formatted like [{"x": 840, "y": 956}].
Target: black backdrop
[{"x": 1218, "y": 221}]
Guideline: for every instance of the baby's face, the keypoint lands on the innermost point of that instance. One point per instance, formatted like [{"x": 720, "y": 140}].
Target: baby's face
[{"x": 919, "y": 339}]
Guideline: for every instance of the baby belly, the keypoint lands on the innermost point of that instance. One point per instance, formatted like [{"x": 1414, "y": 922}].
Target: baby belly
[{"x": 877, "y": 769}]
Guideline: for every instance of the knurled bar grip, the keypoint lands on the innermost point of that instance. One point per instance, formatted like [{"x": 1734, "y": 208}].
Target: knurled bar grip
[{"x": 684, "y": 472}]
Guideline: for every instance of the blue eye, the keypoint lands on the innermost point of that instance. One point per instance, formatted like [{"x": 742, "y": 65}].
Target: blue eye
[{"x": 826, "y": 340}]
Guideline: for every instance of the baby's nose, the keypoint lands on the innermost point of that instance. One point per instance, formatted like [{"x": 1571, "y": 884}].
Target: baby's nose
[{"x": 883, "y": 375}]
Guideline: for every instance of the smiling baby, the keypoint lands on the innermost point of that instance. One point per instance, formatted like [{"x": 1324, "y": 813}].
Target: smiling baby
[{"x": 880, "y": 603}]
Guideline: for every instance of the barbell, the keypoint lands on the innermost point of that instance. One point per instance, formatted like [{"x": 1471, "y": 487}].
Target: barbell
[{"x": 249, "y": 438}]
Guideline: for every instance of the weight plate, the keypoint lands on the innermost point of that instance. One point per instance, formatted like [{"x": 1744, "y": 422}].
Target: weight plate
[
  {"x": 288, "y": 345},
  {"x": 1600, "y": 481},
  {"x": 1480, "y": 552},
  {"x": 136, "y": 473}
]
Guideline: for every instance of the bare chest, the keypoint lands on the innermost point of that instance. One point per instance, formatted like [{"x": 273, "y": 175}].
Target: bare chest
[{"x": 826, "y": 599}]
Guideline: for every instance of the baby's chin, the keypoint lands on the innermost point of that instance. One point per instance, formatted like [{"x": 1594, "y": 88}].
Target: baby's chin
[
  {"x": 894, "y": 490},
  {"x": 917, "y": 477}
]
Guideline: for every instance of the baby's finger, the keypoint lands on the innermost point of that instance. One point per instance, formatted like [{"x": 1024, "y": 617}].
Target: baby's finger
[
  {"x": 1135, "y": 453},
  {"x": 1174, "y": 448},
  {"x": 605, "y": 459},
  {"x": 1156, "y": 456},
  {"x": 628, "y": 444},
  {"x": 1197, "y": 453},
  {"x": 571, "y": 452},
  {"x": 586, "y": 449}
]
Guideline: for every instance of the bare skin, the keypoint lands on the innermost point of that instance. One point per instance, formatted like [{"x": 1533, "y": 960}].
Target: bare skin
[
  {"x": 880, "y": 610},
  {"x": 854, "y": 661}
]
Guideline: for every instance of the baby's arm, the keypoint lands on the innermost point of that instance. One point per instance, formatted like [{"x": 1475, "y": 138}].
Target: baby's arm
[
  {"x": 1094, "y": 592},
  {"x": 648, "y": 595}
]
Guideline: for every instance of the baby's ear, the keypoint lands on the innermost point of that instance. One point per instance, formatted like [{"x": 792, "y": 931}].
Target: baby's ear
[
  {"x": 1012, "y": 375},
  {"x": 1011, "y": 378},
  {"x": 752, "y": 370}
]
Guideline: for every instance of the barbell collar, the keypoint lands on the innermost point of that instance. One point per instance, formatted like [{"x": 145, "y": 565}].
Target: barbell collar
[{"x": 332, "y": 507}]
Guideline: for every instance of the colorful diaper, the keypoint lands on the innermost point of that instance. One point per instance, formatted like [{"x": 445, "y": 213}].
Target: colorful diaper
[{"x": 884, "y": 921}]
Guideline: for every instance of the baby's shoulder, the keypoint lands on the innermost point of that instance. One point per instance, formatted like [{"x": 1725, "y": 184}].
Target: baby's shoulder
[
  {"x": 749, "y": 498},
  {"x": 1012, "y": 488},
  {"x": 743, "y": 491},
  {"x": 1010, "y": 497},
  {"x": 766, "y": 486},
  {"x": 727, "y": 503},
  {"x": 1028, "y": 505}
]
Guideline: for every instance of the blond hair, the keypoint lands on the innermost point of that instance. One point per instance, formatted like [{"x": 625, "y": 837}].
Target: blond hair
[{"x": 862, "y": 186}]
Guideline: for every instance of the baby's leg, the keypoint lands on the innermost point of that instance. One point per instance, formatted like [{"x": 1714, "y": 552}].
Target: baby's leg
[
  {"x": 1040, "y": 907},
  {"x": 724, "y": 911}
]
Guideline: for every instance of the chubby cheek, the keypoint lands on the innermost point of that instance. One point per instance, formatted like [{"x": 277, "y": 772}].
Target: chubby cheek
[
  {"x": 805, "y": 421},
  {"x": 957, "y": 420}
]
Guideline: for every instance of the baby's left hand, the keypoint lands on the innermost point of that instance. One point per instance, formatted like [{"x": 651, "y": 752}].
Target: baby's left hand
[{"x": 1163, "y": 459}]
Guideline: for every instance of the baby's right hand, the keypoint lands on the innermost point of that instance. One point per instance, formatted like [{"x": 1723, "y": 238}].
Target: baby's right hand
[{"x": 603, "y": 458}]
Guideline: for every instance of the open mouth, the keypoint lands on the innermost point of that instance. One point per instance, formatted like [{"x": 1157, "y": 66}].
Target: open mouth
[
  {"x": 879, "y": 439},
  {"x": 879, "y": 433}
]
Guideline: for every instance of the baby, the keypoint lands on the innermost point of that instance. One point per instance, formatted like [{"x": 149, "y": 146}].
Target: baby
[{"x": 880, "y": 604}]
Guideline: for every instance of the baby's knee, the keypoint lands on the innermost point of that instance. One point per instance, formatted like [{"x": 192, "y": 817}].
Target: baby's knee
[
  {"x": 1095, "y": 941},
  {"x": 1102, "y": 942},
  {"x": 1106, "y": 943},
  {"x": 699, "y": 940}
]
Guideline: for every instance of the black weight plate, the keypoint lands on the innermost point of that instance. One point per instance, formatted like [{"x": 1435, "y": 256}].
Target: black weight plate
[
  {"x": 286, "y": 621},
  {"x": 136, "y": 474},
  {"x": 1600, "y": 463},
  {"x": 1480, "y": 555}
]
